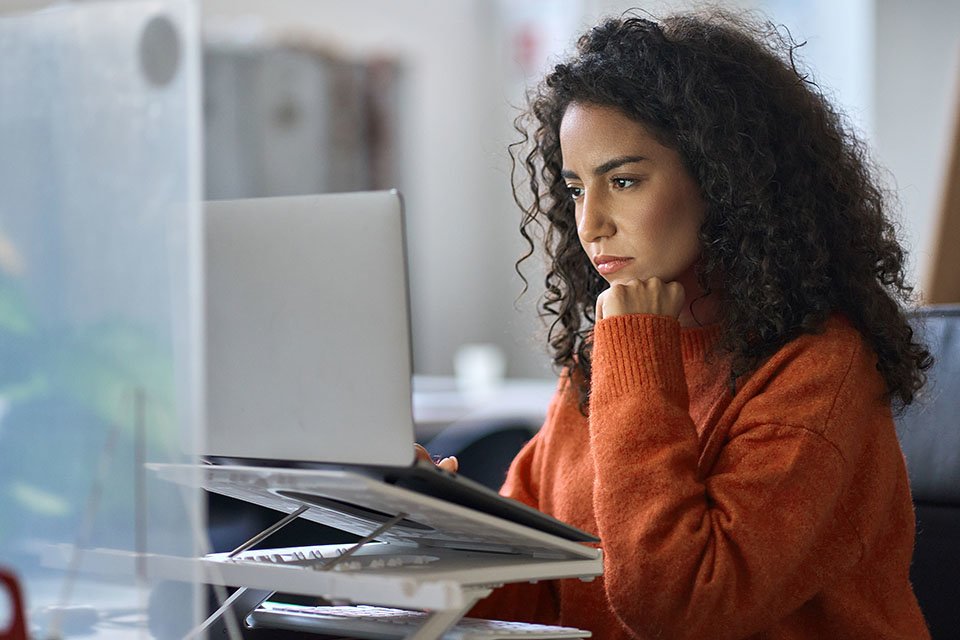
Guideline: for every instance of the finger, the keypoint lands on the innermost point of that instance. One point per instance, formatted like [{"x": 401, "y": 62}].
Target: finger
[
  {"x": 421, "y": 452},
  {"x": 676, "y": 295},
  {"x": 601, "y": 299},
  {"x": 450, "y": 464}
]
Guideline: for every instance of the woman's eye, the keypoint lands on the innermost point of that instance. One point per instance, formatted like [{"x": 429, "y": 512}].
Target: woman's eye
[
  {"x": 575, "y": 192},
  {"x": 622, "y": 183}
]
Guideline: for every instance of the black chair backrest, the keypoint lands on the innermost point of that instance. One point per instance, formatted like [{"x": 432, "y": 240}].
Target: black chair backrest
[
  {"x": 929, "y": 433},
  {"x": 484, "y": 448}
]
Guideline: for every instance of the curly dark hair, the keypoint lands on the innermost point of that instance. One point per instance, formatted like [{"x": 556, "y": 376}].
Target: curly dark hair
[{"x": 796, "y": 224}]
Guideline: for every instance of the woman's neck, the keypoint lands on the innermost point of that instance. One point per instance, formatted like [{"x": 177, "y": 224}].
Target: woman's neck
[{"x": 699, "y": 309}]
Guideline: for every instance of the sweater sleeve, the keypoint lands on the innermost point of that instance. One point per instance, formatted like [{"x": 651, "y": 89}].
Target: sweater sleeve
[
  {"x": 727, "y": 554},
  {"x": 523, "y": 478}
]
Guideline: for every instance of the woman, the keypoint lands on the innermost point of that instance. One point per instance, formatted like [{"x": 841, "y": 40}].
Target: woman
[{"x": 726, "y": 291}]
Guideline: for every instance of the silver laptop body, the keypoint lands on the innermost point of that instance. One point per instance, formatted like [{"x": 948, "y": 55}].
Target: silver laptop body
[{"x": 308, "y": 351}]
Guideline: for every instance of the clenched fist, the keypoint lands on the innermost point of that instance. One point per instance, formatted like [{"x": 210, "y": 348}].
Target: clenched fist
[{"x": 641, "y": 296}]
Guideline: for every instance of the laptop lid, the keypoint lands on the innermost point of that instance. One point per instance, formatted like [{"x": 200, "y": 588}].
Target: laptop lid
[{"x": 308, "y": 331}]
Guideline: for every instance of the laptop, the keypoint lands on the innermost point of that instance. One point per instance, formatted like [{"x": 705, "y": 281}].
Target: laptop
[{"x": 309, "y": 360}]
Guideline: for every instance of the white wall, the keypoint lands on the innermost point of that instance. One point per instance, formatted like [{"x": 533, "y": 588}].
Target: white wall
[
  {"x": 453, "y": 156},
  {"x": 916, "y": 93}
]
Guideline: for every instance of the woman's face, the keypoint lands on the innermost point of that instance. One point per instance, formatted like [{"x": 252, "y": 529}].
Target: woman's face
[{"x": 638, "y": 211}]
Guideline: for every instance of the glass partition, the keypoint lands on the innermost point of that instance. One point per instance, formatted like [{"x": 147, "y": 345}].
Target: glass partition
[{"x": 100, "y": 317}]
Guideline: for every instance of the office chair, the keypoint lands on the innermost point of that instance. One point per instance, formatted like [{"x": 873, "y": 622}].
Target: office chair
[
  {"x": 929, "y": 432},
  {"x": 484, "y": 448}
]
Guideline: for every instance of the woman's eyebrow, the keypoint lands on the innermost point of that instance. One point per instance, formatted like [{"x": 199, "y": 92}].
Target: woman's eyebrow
[
  {"x": 610, "y": 165},
  {"x": 607, "y": 166}
]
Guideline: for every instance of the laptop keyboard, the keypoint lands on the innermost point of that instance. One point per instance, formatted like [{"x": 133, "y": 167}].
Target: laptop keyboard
[
  {"x": 319, "y": 556},
  {"x": 383, "y": 623}
]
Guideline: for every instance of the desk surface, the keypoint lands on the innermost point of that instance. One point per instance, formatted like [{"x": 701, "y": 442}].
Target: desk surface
[{"x": 438, "y": 402}]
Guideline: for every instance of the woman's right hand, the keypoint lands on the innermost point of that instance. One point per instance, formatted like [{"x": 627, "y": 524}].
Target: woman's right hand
[
  {"x": 641, "y": 296},
  {"x": 447, "y": 464}
]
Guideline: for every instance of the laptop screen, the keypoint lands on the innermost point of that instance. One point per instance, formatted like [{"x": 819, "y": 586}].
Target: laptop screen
[{"x": 307, "y": 330}]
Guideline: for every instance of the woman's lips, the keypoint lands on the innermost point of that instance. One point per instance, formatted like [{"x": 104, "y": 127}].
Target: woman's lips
[{"x": 608, "y": 265}]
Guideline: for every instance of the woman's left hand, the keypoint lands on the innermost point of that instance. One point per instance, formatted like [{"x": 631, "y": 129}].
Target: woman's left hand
[{"x": 450, "y": 463}]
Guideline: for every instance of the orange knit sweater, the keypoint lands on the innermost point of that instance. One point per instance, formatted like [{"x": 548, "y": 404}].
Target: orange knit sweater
[{"x": 782, "y": 511}]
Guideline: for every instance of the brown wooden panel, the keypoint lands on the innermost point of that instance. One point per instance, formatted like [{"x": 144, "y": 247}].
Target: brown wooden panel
[{"x": 943, "y": 284}]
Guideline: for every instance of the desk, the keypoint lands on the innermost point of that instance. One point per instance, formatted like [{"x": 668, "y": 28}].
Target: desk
[{"x": 437, "y": 402}]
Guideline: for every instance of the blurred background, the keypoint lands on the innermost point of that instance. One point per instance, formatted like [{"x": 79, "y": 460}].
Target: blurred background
[{"x": 304, "y": 96}]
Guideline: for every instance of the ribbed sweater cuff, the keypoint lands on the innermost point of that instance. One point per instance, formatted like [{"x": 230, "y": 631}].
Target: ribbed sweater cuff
[{"x": 637, "y": 352}]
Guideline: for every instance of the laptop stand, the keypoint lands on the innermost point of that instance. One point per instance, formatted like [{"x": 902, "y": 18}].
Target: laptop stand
[
  {"x": 245, "y": 600},
  {"x": 415, "y": 552}
]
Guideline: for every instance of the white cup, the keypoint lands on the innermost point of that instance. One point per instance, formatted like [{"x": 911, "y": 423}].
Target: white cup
[{"x": 479, "y": 368}]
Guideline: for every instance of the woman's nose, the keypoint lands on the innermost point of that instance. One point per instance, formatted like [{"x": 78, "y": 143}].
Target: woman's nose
[{"x": 594, "y": 221}]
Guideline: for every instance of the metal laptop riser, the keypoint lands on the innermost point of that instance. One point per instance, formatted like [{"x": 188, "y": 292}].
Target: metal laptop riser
[{"x": 471, "y": 552}]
